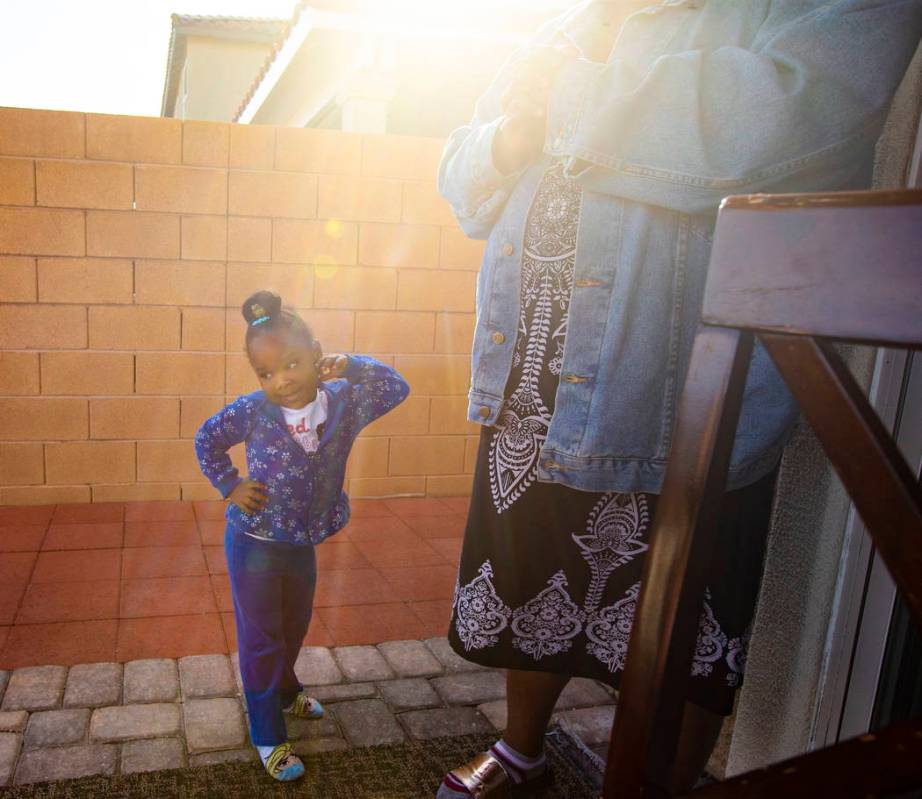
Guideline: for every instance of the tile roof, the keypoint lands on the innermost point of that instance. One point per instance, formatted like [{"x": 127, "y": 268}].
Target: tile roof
[
  {"x": 254, "y": 29},
  {"x": 270, "y": 58}
]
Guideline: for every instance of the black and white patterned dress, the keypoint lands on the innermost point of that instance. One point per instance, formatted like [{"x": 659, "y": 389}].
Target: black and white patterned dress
[{"x": 549, "y": 575}]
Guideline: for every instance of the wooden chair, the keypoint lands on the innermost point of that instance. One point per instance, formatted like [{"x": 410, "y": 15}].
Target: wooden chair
[{"x": 798, "y": 271}]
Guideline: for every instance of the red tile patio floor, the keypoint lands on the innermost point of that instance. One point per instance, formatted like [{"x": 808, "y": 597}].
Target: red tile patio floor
[{"x": 121, "y": 581}]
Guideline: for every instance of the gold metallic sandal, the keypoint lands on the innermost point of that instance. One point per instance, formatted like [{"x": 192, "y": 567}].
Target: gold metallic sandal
[{"x": 486, "y": 776}]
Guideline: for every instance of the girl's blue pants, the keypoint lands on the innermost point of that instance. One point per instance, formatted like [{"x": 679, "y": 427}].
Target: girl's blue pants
[{"x": 272, "y": 584}]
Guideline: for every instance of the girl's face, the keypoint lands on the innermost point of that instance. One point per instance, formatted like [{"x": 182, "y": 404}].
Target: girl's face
[{"x": 286, "y": 369}]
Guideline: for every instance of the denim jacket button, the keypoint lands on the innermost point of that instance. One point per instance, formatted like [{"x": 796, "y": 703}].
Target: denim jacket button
[
  {"x": 484, "y": 411},
  {"x": 552, "y": 466},
  {"x": 508, "y": 249},
  {"x": 575, "y": 379},
  {"x": 498, "y": 338}
]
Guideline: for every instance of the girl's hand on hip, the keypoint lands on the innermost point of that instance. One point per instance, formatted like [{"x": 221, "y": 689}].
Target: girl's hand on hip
[
  {"x": 329, "y": 367},
  {"x": 249, "y": 496}
]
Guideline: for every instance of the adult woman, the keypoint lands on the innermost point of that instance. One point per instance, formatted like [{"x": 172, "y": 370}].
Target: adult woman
[{"x": 594, "y": 165}]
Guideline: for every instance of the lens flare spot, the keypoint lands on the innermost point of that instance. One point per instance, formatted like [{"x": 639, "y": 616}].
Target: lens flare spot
[
  {"x": 324, "y": 267},
  {"x": 334, "y": 229}
]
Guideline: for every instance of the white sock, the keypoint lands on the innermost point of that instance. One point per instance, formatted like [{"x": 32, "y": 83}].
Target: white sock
[
  {"x": 264, "y": 752},
  {"x": 523, "y": 767}
]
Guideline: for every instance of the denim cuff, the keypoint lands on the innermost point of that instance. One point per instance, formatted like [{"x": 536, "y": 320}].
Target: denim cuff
[{"x": 484, "y": 176}]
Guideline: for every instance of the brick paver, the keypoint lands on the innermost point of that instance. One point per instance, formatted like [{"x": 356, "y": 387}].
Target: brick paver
[
  {"x": 315, "y": 666},
  {"x": 451, "y": 662},
  {"x": 13, "y": 720},
  {"x": 581, "y": 692},
  {"x": 213, "y": 724},
  {"x": 423, "y": 724},
  {"x": 300, "y": 729},
  {"x": 362, "y": 663},
  {"x": 56, "y": 727},
  {"x": 155, "y": 754},
  {"x": 93, "y": 685},
  {"x": 410, "y": 659},
  {"x": 410, "y": 694},
  {"x": 367, "y": 722},
  {"x": 134, "y": 721},
  {"x": 223, "y": 756},
  {"x": 66, "y": 763},
  {"x": 154, "y": 680},
  {"x": 35, "y": 688},
  {"x": 314, "y": 746},
  {"x": 328, "y": 694},
  {"x": 10, "y": 744},
  {"x": 471, "y": 689},
  {"x": 495, "y": 713},
  {"x": 204, "y": 676}
]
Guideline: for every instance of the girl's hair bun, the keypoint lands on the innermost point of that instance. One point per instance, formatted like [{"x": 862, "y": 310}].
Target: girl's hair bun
[
  {"x": 264, "y": 314},
  {"x": 263, "y": 306}
]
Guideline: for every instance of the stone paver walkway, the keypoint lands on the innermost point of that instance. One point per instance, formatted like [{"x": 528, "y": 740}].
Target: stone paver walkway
[{"x": 106, "y": 718}]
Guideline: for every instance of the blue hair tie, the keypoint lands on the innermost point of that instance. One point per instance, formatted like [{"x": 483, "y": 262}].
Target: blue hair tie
[{"x": 259, "y": 321}]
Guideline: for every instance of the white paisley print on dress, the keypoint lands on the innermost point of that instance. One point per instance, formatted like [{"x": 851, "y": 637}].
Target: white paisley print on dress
[
  {"x": 547, "y": 280},
  {"x": 547, "y": 624},
  {"x": 480, "y": 615}
]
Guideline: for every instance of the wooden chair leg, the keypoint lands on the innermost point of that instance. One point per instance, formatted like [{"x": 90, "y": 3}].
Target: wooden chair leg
[
  {"x": 661, "y": 649},
  {"x": 885, "y": 491}
]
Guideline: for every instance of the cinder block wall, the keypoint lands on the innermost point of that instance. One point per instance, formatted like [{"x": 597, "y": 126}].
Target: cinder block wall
[{"x": 126, "y": 247}]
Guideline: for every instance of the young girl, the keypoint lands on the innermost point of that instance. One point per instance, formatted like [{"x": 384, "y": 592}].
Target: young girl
[{"x": 298, "y": 433}]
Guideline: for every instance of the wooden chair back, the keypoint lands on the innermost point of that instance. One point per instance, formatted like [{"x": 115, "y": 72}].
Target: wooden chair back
[{"x": 797, "y": 271}]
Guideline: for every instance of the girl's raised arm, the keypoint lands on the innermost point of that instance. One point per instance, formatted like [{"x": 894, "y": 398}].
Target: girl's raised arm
[{"x": 376, "y": 389}]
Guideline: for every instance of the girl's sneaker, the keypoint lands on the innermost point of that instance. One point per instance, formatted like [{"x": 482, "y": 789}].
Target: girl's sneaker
[
  {"x": 283, "y": 764},
  {"x": 305, "y": 707}
]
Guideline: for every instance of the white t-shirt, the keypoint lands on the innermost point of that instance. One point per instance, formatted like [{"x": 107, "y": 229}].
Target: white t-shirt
[{"x": 303, "y": 422}]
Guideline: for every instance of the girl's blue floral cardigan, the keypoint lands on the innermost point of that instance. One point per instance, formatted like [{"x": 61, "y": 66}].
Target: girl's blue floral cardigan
[{"x": 306, "y": 498}]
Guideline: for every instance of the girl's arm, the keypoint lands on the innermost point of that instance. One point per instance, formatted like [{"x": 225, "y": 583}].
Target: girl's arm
[
  {"x": 799, "y": 110},
  {"x": 376, "y": 388},
  {"x": 216, "y": 436}
]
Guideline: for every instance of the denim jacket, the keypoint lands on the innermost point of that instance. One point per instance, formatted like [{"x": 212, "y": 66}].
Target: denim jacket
[
  {"x": 306, "y": 500},
  {"x": 698, "y": 99}
]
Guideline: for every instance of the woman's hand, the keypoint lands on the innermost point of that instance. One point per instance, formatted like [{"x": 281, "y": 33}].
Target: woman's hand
[
  {"x": 249, "y": 496},
  {"x": 520, "y": 138},
  {"x": 329, "y": 367}
]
